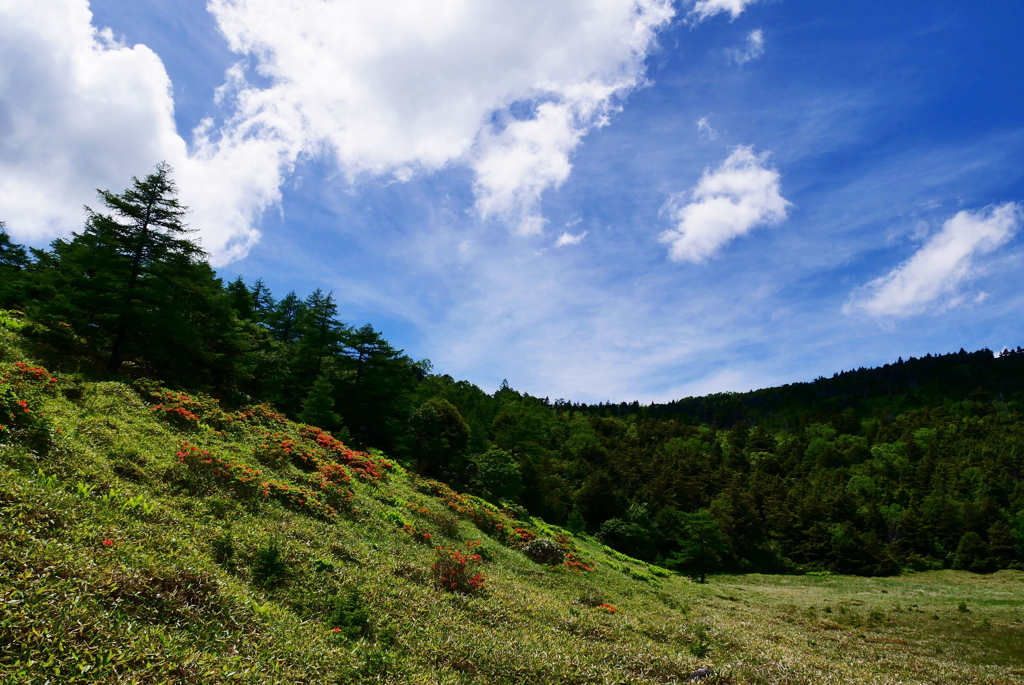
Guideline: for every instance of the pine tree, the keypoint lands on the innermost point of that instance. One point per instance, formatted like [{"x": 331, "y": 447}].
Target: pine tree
[
  {"x": 263, "y": 301},
  {"x": 376, "y": 386},
  {"x": 242, "y": 300},
  {"x": 320, "y": 333},
  {"x": 701, "y": 547},
  {"x": 12, "y": 256},
  {"x": 284, "y": 318},
  {"x": 13, "y": 275},
  {"x": 318, "y": 408},
  {"x": 137, "y": 288}
]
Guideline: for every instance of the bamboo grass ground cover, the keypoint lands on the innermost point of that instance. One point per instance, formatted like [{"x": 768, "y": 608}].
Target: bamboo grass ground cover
[{"x": 126, "y": 557}]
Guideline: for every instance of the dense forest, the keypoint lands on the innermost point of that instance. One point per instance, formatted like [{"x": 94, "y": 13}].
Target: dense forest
[{"x": 915, "y": 465}]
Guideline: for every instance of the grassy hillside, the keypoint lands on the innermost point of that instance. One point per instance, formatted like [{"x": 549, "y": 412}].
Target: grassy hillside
[{"x": 148, "y": 536}]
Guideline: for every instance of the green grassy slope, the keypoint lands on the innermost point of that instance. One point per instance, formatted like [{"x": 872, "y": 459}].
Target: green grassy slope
[{"x": 150, "y": 537}]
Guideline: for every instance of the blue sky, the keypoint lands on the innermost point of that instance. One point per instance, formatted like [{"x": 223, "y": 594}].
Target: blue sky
[{"x": 590, "y": 201}]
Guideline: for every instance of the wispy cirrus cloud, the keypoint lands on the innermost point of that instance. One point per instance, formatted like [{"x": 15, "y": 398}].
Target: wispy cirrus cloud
[
  {"x": 933, "y": 276},
  {"x": 752, "y": 49},
  {"x": 741, "y": 194},
  {"x": 706, "y": 129}
]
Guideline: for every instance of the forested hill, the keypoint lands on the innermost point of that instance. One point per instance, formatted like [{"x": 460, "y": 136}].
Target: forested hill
[
  {"x": 848, "y": 396},
  {"x": 915, "y": 465}
]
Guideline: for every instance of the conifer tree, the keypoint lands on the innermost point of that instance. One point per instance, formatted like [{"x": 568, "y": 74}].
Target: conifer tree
[
  {"x": 262, "y": 300},
  {"x": 135, "y": 286},
  {"x": 13, "y": 264},
  {"x": 376, "y": 386},
  {"x": 284, "y": 318},
  {"x": 318, "y": 408},
  {"x": 701, "y": 548}
]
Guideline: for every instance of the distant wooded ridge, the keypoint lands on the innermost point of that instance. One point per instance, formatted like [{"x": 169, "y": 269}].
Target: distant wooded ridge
[{"x": 916, "y": 382}]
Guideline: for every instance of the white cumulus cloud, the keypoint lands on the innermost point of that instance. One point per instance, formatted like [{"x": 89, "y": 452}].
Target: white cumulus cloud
[
  {"x": 390, "y": 87},
  {"x": 751, "y": 50},
  {"x": 937, "y": 270},
  {"x": 508, "y": 87},
  {"x": 570, "y": 238},
  {"x": 78, "y": 111},
  {"x": 730, "y": 201},
  {"x": 704, "y": 9}
]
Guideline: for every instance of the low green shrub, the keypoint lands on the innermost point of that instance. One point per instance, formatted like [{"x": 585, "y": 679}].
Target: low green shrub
[
  {"x": 269, "y": 567},
  {"x": 544, "y": 551},
  {"x": 349, "y": 616}
]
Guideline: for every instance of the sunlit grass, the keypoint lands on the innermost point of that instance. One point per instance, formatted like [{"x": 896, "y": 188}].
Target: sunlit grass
[{"x": 115, "y": 568}]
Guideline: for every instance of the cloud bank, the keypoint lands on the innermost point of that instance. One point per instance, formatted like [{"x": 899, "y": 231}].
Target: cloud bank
[
  {"x": 936, "y": 271},
  {"x": 729, "y": 202},
  {"x": 76, "y": 110},
  {"x": 388, "y": 88}
]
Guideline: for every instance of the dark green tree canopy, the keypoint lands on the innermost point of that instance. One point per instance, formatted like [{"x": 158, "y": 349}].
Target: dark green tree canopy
[
  {"x": 440, "y": 437},
  {"x": 136, "y": 287}
]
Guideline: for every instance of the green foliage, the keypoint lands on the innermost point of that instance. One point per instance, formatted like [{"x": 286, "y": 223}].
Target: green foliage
[
  {"x": 701, "y": 551},
  {"x": 133, "y": 287},
  {"x": 453, "y": 571},
  {"x": 544, "y": 551},
  {"x": 972, "y": 554},
  {"x": 12, "y": 321},
  {"x": 440, "y": 437},
  {"x": 318, "y": 407},
  {"x": 269, "y": 567},
  {"x": 96, "y": 590},
  {"x": 498, "y": 474},
  {"x": 223, "y": 549},
  {"x": 350, "y": 617},
  {"x": 913, "y": 465}
]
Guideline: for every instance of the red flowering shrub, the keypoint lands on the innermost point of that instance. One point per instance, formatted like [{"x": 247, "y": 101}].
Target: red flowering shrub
[
  {"x": 453, "y": 572},
  {"x": 417, "y": 535},
  {"x": 247, "y": 481},
  {"x": 192, "y": 411},
  {"x": 574, "y": 562},
  {"x": 274, "y": 449},
  {"x": 21, "y": 375},
  {"x": 21, "y": 385},
  {"x": 187, "y": 411},
  {"x": 610, "y": 608},
  {"x": 500, "y": 525},
  {"x": 361, "y": 463},
  {"x": 261, "y": 415},
  {"x": 299, "y": 498},
  {"x": 477, "y": 547}
]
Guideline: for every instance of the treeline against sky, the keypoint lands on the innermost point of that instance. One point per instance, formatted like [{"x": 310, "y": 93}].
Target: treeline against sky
[{"x": 915, "y": 465}]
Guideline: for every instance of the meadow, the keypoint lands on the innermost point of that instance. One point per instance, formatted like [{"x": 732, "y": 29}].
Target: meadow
[{"x": 150, "y": 536}]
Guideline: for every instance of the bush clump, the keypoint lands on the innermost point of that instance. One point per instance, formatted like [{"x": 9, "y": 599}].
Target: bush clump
[
  {"x": 453, "y": 572},
  {"x": 544, "y": 551},
  {"x": 349, "y": 616},
  {"x": 269, "y": 567}
]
